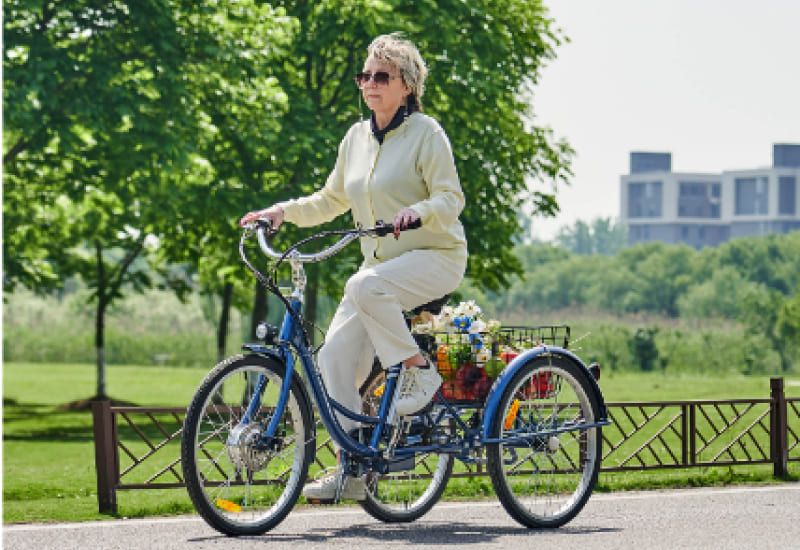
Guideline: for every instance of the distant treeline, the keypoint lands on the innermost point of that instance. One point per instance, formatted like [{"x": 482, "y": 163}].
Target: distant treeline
[
  {"x": 749, "y": 283},
  {"x": 731, "y": 281}
]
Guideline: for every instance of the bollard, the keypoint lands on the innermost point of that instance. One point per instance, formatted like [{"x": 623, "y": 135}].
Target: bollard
[
  {"x": 105, "y": 456},
  {"x": 779, "y": 452}
]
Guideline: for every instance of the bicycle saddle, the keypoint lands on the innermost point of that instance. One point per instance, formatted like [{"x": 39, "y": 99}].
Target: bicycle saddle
[{"x": 433, "y": 307}]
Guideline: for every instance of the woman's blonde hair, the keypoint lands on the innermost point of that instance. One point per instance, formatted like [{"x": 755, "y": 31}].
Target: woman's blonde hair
[{"x": 403, "y": 55}]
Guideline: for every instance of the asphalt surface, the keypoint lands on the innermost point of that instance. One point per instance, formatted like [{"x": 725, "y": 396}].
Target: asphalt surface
[{"x": 759, "y": 518}]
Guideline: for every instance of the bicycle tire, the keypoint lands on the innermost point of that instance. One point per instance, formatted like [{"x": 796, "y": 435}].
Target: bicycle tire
[
  {"x": 544, "y": 481},
  {"x": 236, "y": 488},
  {"x": 406, "y": 495}
]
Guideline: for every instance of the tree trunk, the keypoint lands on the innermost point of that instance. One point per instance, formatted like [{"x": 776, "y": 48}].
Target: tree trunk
[
  {"x": 99, "y": 329},
  {"x": 260, "y": 309},
  {"x": 222, "y": 333}
]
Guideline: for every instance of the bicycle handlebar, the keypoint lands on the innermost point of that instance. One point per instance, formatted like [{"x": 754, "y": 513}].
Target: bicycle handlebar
[{"x": 264, "y": 231}]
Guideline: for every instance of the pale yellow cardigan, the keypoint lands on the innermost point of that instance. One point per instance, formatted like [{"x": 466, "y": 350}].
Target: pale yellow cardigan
[{"x": 413, "y": 168}]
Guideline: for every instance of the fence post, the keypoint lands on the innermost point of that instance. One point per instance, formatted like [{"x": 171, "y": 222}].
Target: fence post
[
  {"x": 105, "y": 456},
  {"x": 779, "y": 452}
]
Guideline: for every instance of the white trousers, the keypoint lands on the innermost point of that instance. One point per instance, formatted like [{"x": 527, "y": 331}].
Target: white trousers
[{"x": 370, "y": 320}]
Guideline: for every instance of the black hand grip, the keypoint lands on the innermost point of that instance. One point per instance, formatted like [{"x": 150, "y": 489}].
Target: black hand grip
[
  {"x": 382, "y": 228},
  {"x": 416, "y": 224}
]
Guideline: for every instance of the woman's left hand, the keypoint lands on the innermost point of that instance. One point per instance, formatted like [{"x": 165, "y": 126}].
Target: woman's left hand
[{"x": 402, "y": 219}]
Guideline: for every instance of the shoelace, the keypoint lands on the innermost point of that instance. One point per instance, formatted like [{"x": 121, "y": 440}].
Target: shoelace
[
  {"x": 410, "y": 382},
  {"x": 329, "y": 472}
]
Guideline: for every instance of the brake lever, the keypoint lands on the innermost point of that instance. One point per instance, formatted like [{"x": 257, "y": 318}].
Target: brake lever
[{"x": 264, "y": 223}]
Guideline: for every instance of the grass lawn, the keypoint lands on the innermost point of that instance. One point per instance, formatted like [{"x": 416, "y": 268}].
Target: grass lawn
[{"x": 48, "y": 452}]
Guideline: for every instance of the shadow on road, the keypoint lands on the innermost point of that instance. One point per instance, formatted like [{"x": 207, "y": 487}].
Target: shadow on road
[{"x": 443, "y": 533}]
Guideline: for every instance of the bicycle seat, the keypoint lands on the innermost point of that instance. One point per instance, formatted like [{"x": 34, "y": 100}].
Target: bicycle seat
[{"x": 433, "y": 307}]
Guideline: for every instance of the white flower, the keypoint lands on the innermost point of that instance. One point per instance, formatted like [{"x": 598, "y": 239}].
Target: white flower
[
  {"x": 493, "y": 325},
  {"x": 483, "y": 355},
  {"x": 447, "y": 315},
  {"x": 469, "y": 308},
  {"x": 477, "y": 326}
]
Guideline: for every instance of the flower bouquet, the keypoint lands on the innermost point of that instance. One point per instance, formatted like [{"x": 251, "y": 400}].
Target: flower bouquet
[
  {"x": 462, "y": 349},
  {"x": 470, "y": 351}
]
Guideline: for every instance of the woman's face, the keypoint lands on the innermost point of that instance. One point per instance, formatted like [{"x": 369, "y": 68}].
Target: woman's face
[{"x": 384, "y": 99}]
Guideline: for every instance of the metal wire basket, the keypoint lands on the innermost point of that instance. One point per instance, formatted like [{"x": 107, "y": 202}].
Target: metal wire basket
[{"x": 469, "y": 363}]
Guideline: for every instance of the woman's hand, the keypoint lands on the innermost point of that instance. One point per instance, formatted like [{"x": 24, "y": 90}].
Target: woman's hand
[
  {"x": 274, "y": 214},
  {"x": 402, "y": 219}
]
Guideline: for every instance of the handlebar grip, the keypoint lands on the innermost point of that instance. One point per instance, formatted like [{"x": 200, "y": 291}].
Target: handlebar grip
[
  {"x": 416, "y": 224},
  {"x": 382, "y": 228}
]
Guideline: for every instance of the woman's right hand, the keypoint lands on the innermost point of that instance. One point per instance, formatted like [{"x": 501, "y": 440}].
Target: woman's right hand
[{"x": 274, "y": 214}]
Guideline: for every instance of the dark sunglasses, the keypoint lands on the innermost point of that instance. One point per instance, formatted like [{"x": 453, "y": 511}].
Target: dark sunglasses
[{"x": 380, "y": 78}]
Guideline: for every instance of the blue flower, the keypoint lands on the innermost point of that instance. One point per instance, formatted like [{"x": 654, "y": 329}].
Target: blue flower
[
  {"x": 476, "y": 341},
  {"x": 462, "y": 323}
]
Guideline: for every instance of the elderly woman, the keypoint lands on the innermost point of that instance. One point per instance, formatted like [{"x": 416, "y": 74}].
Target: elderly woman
[{"x": 398, "y": 166}]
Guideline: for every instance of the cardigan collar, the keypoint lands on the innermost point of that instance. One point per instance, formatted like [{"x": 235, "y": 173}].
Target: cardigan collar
[{"x": 396, "y": 121}]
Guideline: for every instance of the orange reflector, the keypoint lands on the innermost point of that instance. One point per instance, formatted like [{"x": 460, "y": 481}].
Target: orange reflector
[
  {"x": 379, "y": 391},
  {"x": 228, "y": 505},
  {"x": 512, "y": 415}
]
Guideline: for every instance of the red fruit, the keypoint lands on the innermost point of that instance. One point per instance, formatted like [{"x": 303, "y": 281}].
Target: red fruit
[
  {"x": 540, "y": 386},
  {"x": 508, "y": 355},
  {"x": 447, "y": 389},
  {"x": 482, "y": 387},
  {"x": 466, "y": 377}
]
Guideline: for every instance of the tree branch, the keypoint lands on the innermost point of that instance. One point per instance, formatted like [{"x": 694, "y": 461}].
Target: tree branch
[
  {"x": 18, "y": 147},
  {"x": 125, "y": 264}
]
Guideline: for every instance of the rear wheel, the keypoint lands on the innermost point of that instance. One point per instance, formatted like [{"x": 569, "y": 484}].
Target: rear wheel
[
  {"x": 416, "y": 484},
  {"x": 239, "y": 484},
  {"x": 547, "y": 466}
]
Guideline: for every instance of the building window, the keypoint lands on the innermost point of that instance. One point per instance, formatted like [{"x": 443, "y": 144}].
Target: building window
[
  {"x": 644, "y": 200},
  {"x": 751, "y": 196},
  {"x": 698, "y": 199},
  {"x": 787, "y": 195}
]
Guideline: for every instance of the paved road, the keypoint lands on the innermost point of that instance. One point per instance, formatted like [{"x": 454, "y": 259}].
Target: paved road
[{"x": 749, "y": 518}]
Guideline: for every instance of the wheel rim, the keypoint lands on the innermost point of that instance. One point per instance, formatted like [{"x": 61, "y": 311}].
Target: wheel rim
[
  {"x": 550, "y": 475},
  {"x": 408, "y": 490},
  {"x": 241, "y": 484}
]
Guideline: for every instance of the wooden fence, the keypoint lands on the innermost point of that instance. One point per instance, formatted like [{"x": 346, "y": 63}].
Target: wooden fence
[{"x": 139, "y": 447}]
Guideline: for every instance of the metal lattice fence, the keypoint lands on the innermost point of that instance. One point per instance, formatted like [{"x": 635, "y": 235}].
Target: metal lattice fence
[{"x": 139, "y": 447}]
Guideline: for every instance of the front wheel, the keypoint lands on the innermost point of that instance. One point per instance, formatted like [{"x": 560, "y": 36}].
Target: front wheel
[
  {"x": 546, "y": 467},
  {"x": 239, "y": 483}
]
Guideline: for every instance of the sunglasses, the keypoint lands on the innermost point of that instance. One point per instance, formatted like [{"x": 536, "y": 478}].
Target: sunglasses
[{"x": 380, "y": 78}]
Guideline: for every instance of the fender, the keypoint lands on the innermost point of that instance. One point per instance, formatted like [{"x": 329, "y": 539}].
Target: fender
[
  {"x": 496, "y": 392},
  {"x": 272, "y": 353}
]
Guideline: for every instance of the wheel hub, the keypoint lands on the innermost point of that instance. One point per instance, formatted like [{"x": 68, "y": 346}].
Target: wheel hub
[{"x": 242, "y": 450}]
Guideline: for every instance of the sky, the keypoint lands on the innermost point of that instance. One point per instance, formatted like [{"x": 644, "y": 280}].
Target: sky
[{"x": 714, "y": 82}]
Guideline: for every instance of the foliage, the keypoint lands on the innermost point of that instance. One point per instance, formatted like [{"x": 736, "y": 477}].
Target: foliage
[
  {"x": 656, "y": 278},
  {"x": 644, "y": 350},
  {"x": 750, "y": 281},
  {"x": 103, "y": 107},
  {"x": 602, "y": 237}
]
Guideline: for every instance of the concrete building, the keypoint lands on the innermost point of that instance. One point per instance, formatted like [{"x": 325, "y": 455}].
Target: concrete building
[{"x": 700, "y": 209}]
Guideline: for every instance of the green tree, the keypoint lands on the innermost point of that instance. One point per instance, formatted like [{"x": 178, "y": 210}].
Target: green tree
[
  {"x": 102, "y": 119},
  {"x": 644, "y": 350},
  {"x": 576, "y": 238},
  {"x": 601, "y": 237}
]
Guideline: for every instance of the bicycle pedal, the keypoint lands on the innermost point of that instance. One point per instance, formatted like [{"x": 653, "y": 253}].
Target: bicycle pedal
[{"x": 322, "y": 502}]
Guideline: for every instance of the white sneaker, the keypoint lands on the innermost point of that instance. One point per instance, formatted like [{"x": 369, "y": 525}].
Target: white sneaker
[
  {"x": 419, "y": 386},
  {"x": 324, "y": 488}
]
